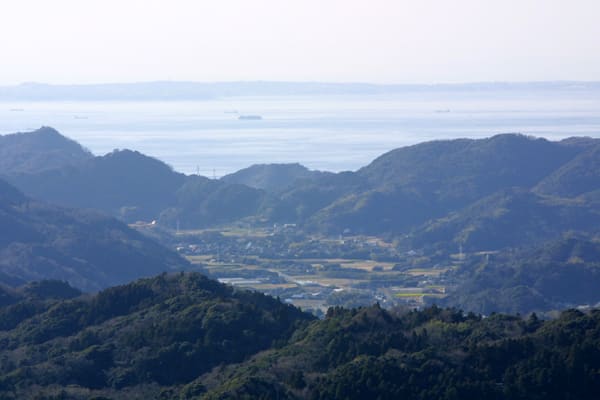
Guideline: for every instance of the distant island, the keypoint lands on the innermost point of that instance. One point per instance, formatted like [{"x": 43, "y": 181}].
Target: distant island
[{"x": 250, "y": 117}]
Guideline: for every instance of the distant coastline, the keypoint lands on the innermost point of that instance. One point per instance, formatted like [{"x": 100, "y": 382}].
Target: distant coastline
[
  {"x": 173, "y": 90},
  {"x": 324, "y": 132}
]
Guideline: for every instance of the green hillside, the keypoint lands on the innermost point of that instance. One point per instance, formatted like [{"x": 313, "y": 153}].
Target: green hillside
[
  {"x": 510, "y": 218},
  {"x": 135, "y": 340},
  {"x": 579, "y": 176},
  {"x": 431, "y": 354},
  {"x": 183, "y": 336},
  {"x": 553, "y": 275}
]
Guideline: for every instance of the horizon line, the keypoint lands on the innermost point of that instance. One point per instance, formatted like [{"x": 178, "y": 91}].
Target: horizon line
[{"x": 306, "y": 82}]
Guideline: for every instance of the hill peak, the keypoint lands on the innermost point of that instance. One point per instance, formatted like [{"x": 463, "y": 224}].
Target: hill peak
[
  {"x": 43, "y": 136},
  {"x": 271, "y": 177},
  {"x": 132, "y": 161},
  {"x": 39, "y": 150}
]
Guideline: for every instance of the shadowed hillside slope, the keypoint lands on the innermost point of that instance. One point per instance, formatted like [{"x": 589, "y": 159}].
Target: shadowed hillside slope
[
  {"x": 553, "y": 275},
  {"x": 509, "y": 218},
  {"x": 91, "y": 251},
  {"x": 122, "y": 183},
  {"x": 579, "y": 176}
]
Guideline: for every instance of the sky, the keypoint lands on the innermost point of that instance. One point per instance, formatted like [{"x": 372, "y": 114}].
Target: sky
[{"x": 378, "y": 41}]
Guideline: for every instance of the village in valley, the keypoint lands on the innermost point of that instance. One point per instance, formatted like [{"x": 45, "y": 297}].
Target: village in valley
[{"x": 316, "y": 272}]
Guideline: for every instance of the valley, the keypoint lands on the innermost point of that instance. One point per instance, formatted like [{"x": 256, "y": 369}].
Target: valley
[
  {"x": 449, "y": 269},
  {"x": 315, "y": 272},
  {"x": 502, "y": 224},
  {"x": 309, "y": 200}
]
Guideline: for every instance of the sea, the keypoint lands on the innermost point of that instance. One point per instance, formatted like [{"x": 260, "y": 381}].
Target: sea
[{"x": 323, "y": 132}]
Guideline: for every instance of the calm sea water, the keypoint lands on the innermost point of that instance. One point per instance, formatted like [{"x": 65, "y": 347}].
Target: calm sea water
[{"x": 327, "y": 132}]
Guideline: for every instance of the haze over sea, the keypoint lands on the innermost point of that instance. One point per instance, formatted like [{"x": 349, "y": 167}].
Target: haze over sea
[{"x": 326, "y": 132}]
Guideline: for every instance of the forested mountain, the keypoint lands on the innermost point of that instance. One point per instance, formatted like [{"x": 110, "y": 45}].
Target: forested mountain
[
  {"x": 579, "y": 176},
  {"x": 553, "y": 275},
  {"x": 408, "y": 186},
  {"x": 122, "y": 183},
  {"x": 37, "y": 151},
  {"x": 513, "y": 217},
  {"x": 429, "y": 354},
  {"x": 272, "y": 177},
  {"x": 202, "y": 202},
  {"x": 87, "y": 249},
  {"x": 440, "y": 193},
  {"x": 469, "y": 168},
  {"x": 404, "y": 190},
  {"x": 132, "y": 187},
  {"x": 135, "y": 340},
  {"x": 301, "y": 201},
  {"x": 186, "y": 337}
]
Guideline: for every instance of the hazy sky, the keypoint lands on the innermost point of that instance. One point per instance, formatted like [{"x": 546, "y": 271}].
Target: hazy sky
[{"x": 384, "y": 41}]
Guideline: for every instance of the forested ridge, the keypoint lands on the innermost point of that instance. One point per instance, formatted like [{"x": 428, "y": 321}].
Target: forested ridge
[
  {"x": 185, "y": 336},
  {"x": 150, "y": 334},
  {"x": 410, "y": 190},
  {"x": 430, "y": 354}
]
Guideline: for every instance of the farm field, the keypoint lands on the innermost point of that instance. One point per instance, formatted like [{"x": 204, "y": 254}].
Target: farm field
[{"x": 329, "y": 282}]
